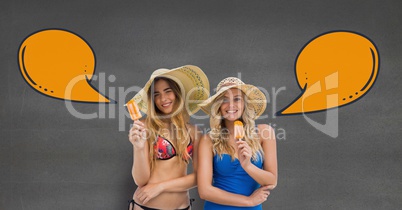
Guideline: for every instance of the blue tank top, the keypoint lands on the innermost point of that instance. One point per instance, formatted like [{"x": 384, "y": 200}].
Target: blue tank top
[{"x": 228, "y": 175}]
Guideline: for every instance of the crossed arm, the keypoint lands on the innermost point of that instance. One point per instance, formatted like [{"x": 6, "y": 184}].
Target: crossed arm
[{"x": 267, "y": 177}]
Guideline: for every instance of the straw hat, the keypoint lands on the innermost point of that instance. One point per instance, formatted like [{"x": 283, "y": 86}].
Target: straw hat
[
  {"x": 256, "y": 98},
  {"x": 192, "y": 81}
]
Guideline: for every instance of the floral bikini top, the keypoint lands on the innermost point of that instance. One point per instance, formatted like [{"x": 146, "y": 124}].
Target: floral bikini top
[{"x": 164, "y": 149}]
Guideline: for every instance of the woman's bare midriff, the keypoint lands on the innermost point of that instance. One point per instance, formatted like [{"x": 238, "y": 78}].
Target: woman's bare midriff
[{"x": 167, "y": 170}]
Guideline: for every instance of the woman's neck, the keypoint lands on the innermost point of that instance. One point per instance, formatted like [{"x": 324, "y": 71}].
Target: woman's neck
[
  {"x": 230, "y": 126},
  {"x": 166, "y": 123}
]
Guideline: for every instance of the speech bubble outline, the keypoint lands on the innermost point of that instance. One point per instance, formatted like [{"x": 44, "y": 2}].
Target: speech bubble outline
[
  {"x": 337, "y": 39},
  {"x": 50, "y": 60}
]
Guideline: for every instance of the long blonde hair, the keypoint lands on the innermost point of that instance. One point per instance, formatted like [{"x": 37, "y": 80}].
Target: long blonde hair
[
  {"x": 220, "y": 136},
  {"x": 154, "y": 122}
]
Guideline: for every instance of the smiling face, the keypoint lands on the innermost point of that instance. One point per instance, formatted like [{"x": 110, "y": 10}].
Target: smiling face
[
  {"x": 232, "y": 105},
  {"x": 164, "y": 97}
]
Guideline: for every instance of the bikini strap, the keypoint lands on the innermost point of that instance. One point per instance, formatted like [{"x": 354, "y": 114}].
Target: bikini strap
[{"x": 143, "y": 207}]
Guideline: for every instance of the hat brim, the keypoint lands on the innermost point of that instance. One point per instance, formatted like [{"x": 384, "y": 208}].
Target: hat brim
[
  {"x": 192, "y": 81},
  {"x": 256, "y": 98}
]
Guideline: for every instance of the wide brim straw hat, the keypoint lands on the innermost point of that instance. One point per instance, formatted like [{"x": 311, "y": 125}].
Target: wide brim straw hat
[
  {"x": 256, "y": 98},
  {"x": 192, "y": 81}
]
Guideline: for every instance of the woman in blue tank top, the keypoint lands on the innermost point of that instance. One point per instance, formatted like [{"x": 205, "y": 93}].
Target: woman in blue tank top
[{"x": 236, "y": 173}]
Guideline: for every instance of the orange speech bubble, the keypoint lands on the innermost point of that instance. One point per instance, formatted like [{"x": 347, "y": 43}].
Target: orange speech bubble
[
  {"x": 333, "y": 70},
  {"x": 59, "y": 64}
]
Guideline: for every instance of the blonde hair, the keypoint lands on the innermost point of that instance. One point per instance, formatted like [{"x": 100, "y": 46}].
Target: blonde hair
[
  {"x": 220, "y": 136},
  {"x": 154, "y": 122}
]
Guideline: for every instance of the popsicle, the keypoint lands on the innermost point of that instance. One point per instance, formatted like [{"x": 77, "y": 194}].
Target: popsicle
[
  {"x": 238, "y": 130},
  {"x": 132, "y": 107}
]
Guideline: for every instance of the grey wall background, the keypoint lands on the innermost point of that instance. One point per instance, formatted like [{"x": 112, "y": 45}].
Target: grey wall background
[{"x": 49, "y": 159}]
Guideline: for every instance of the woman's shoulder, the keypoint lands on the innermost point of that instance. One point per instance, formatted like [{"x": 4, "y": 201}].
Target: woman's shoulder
[
  {"x": 265, "y": 131},
  {"x": 264, "y": 126},
  {"x": 206, "y": 140}
]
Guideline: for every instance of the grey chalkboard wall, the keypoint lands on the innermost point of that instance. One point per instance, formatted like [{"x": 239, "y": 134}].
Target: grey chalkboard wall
[{"x": 51, "y": 159}]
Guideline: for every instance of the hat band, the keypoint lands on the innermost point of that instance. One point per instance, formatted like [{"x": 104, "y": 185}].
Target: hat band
[{"x": 226, "y": 84}]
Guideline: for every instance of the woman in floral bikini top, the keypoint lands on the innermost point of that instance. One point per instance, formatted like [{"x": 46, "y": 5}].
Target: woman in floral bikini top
[
  {"x": 160, "y": 165},
  {"x": 164, "y": 149}
]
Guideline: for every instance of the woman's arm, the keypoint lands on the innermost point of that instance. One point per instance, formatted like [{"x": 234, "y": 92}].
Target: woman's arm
[
  {"x": 150, "y": 191},
  {"x": 214, "y": 194},
  {"x": 267, "y": 175},
  {"x": 141, "y": 166}
]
